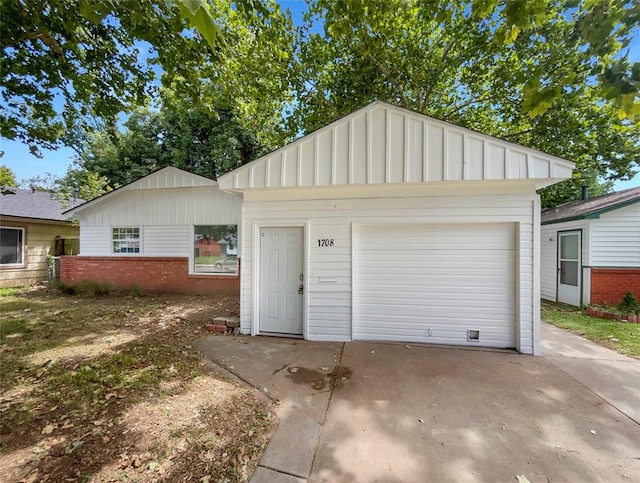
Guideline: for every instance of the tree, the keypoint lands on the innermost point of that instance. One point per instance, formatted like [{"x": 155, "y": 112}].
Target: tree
[
  {"x": 7, "y": 177},
  {"x": 70, "y": 65},
  {"x": 81, "y": 184},
  {"x": 530, "y": 72},
  {"x": 193, "y": 140}
]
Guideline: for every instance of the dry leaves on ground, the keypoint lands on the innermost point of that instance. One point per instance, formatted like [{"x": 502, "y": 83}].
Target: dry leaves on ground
[{"x": 110, "y": 389}]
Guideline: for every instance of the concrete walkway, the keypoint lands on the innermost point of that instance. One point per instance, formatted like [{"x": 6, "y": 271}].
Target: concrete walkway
[
  {"x": 366, "y": 412},
  {"x": 612, "y": 376}
]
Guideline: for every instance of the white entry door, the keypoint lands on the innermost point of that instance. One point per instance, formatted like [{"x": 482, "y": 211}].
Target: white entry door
[
  {"x": 569, "y": 263},
  {"x": 281, "y": 280}
]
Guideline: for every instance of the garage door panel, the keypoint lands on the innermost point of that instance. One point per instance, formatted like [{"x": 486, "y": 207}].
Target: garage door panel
[
  {"x": 435, "y": 307},
  {"x": 444, "y": 335},
  {"x": 432, "y": 283},
  {"x": 417, "y": 287}
]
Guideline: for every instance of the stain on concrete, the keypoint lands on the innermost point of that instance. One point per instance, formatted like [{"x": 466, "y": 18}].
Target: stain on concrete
[
  {"x": 302, "y": 375},
  {"x": 318, "y": 379},
  {"x": 338, "y": 375}
]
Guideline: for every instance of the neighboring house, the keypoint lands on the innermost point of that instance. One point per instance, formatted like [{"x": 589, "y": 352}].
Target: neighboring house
[
  {"x": 32, "y": 227},
  {"x": 152, "y": 234},
  {"x": 388, "y": 225},
  {"x": 591, "y": 249}
]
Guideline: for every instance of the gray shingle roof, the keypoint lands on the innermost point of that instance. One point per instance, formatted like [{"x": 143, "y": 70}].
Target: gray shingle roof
[
  {"x": 38, "y": 205},
  {"x": 576, "y": 210}
]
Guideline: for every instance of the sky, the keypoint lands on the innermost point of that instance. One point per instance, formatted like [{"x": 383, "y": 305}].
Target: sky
[{"x": 25, "y": 166}]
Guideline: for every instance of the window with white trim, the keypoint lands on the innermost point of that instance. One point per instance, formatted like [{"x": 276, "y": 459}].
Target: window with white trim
[
  {"x": 11, "y": 246},
  {"x": 126, "y": 240},
  {"x": 215, "y": 249}
]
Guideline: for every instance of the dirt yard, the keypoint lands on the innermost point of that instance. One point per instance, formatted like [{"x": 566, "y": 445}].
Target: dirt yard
[{"x": 110, "y": 389}]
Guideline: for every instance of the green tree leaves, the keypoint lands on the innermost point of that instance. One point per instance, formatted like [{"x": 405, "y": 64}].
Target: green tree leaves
[
  {"x": 7, "y": 177},
  {"x": 189, "y": 139},
  {"x": 524, "y": 71}
]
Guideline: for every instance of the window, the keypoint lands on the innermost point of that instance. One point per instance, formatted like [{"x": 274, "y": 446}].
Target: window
[
  {"x": 215, "y": 249},
  {"x": 11, "y": 246},
  {"x": 126, "y": 240}
]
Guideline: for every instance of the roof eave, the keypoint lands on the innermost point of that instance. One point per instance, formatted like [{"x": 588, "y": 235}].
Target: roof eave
[{"x": 595, "y": 214}]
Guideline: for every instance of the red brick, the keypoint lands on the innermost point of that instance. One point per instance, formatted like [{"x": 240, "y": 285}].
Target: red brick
[
  {"x": 150, "y": 274},
  {"x": 610, "y": 285}
]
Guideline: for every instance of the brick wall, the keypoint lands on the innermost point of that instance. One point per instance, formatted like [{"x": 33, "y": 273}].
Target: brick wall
[
  {"x": 610, "y": 285},
  {"x": 150, "y": 274}
]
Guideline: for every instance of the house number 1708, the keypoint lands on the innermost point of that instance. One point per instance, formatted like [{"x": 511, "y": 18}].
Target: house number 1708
[{"x": 325, "y": 242}]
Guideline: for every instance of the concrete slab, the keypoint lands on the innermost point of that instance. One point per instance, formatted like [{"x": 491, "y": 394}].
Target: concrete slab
[
  {"x": 297, "y": 373},
  {"x": 267, "y": 475},
  {"x": 293, "y": 446},
  {"x": 612, "y": 376},
  {"x": 428, "y": 414}
]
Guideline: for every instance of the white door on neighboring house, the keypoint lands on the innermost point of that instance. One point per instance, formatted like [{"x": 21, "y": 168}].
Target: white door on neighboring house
[
  {"x": 281, "y": 280},
  {"x": 569, "y": 265}
]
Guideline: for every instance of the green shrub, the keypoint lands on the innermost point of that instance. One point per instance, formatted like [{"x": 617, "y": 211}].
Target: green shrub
[
  {"x": 135, "y": 291},
  {"x": 629, "y": 304},
  {"x": 91, "y": 287},
  {"x": 63, "y": 288},
  {"x": 84, "y": 287}
]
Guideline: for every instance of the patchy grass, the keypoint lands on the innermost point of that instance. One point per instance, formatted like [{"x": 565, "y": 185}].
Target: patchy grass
[
  {"x": 5, "y": 292},
  {"x": 622, "y": 337},
  {"x": 109, "y": 388}
]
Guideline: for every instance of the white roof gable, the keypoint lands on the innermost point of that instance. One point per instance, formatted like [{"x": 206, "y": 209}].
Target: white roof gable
[
  {"x": 385, "y": 144},
  {"x": 168, "y": 177}
]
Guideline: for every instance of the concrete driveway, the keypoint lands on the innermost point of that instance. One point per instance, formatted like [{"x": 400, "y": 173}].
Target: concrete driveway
[{"x": 400, "y": 413}]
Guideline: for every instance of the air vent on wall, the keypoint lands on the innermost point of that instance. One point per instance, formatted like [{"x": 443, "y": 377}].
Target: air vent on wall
[{"x": 473, "y": 334}]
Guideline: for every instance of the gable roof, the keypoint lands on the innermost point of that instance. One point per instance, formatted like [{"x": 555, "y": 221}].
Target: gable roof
[
  {"x": 168, "y": 177},
  {"x": 590, "y": 208},
  {"x": 37, "y": 205},
  {"x": 385, "y": 144}
]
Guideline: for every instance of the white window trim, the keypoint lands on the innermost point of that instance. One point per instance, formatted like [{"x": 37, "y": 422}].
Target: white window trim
[
  {"x": 192, "y": 258},
  {"x": 22, "y": 264},
  {"x": 127, "y": 254}
]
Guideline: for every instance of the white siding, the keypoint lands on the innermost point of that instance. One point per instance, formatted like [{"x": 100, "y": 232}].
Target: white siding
[
  {"x": 165, "y": 216},
  {"x": 95, "y": 240},
  {"x": 615, "y": 238},
  {"x": 549, "y": 255},
  {"x": 384, "y": 144},
  {"x": 329, "y": 269},
  {"x": 167, "y": 240}
]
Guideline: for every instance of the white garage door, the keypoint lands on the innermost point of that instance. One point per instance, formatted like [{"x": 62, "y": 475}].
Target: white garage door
[{"x": 436, "y": 283}]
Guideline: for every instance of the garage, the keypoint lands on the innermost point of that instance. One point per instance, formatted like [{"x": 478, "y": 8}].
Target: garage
[
  {"x": 435, "y": 283},
  {"x": 408, "y": 229}
]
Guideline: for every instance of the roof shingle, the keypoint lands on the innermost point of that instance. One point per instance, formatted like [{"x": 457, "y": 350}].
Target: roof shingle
[
  {"x": 38, "y": 205},
  {"x": 575, "y": 210}
]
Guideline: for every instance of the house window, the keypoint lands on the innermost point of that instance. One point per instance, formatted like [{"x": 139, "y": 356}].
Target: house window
[
  {"x": 215, "y": 249},
  {"x": 126, "y": 240},
  {"x": 11, "y": 246}
]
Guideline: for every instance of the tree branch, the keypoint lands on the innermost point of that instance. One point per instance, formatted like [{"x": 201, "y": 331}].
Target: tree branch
[
  {"x": 443, "y": 58},
  {"x": 518, "y": 133},
  {"x": 391, "y": 78},
  {"x": 456, "y": 109}
]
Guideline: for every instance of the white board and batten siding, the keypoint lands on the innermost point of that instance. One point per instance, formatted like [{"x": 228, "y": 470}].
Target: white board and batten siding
[
  {"x": 165, "y": 206},
  {"x": 383, "y": 144},
  {"x": 386, "y": 169}
]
